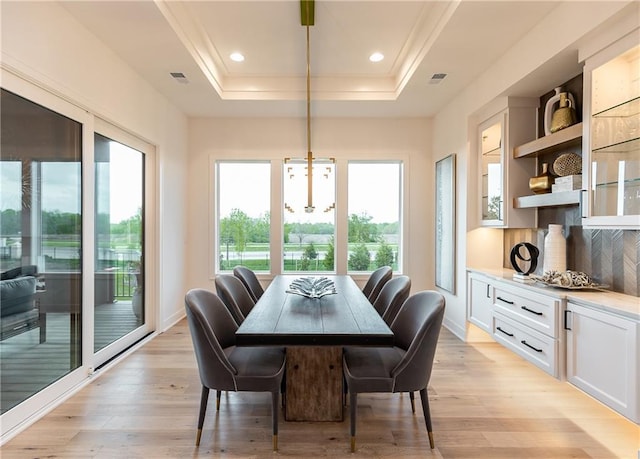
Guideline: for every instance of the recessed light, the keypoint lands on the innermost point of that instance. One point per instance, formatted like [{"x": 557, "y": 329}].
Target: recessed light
[
  {"x": 376, "y": 57},
  {"x": 236, "y": 57}
]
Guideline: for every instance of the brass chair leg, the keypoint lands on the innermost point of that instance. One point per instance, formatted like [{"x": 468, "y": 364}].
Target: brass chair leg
[
  {"x": 198, "y": 435},
  {"x": 431, "y": 443},
  {"x": 275, "y": 442},
  {"x": 353, "y": 444}
]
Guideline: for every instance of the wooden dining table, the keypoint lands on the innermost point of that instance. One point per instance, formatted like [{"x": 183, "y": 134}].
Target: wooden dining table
[{"x": 313, "y": 330}]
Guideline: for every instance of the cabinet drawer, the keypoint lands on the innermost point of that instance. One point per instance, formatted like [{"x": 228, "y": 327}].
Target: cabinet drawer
[
  {"x": 531, "y": 309},
  {"x": 537, "y": 348}
]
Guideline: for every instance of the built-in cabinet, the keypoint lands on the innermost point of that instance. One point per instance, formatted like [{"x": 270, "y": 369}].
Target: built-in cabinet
[
  {"x": 527, "y": 323},
  {"x": 602, "y": 357},
  {"x": 507, "y": 122},
  {"x": 594, "y": 346},
  {"x": 612, "y": 111},
  {"x": 480, "y": 293}
]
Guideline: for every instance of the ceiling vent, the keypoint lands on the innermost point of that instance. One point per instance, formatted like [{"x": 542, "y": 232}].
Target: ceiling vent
[
  {"x": 437, "y": 78},
  {"x": 179, "y": 77}
]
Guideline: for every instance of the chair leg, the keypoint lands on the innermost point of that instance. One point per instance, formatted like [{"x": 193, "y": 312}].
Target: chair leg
[
  {"x": 427, "y": 415},
  {"x": 274, "y": 418},
  {"x": 353, "y": 400},
  {"x": 413, "y": 401},
  {"x": 204, "y": 399},
  {"x": 218, "y": 395}
]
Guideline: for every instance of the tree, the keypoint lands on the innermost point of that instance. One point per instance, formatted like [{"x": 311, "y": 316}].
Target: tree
[
  {"x": 361, "y": 229},
  {"x": 360, "y": 258},
  {"x": 384, "y": 255},
  {"x": 328, "y": 261},
  {"x": 309, "y": 253}
]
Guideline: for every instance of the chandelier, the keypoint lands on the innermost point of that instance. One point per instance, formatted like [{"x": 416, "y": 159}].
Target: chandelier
[{"x": 307, "y": 19}]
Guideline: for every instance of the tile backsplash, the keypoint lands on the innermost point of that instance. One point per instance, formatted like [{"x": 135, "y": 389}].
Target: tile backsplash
[{"x": 611, "y": 257}]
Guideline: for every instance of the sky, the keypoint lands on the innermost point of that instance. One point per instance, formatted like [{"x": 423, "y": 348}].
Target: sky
[
  {"x": 61, "y": 184},
  {"x": 369, "y": 190},
  {"x": 369, "y": 185}
]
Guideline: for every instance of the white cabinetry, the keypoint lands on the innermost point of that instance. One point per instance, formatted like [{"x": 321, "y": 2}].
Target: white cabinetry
[
  {"x": 480, "y": 301},
  {"x": 612, "y": 131},
  {"x": 528, "y": 323},
  {"x": 507, "y": 122},
  {"x": 602, "y": 357}
]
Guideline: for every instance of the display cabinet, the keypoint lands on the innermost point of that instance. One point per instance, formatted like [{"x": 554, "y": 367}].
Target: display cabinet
[
  {"x": 507, "y": 122},
  {"x": 612, "y": 108}
]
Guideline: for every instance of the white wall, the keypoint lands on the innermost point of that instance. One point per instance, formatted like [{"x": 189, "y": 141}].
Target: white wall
[
  {"x": 42, "y": 43},
  {"x": 343, "y": 138},
  {"x": 544, "y": 47}
]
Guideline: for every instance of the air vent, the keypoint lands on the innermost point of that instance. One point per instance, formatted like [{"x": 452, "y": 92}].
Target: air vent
[
  {"x": 437, "y": 78},
  {"x": 179, "y": 77}
]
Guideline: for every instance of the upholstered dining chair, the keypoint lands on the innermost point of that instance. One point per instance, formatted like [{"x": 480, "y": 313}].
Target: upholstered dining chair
[
  {"x": 391, "y": 297},
  {"x": 235, "y": 296},
  {"x": 376, "y": 281},
  {"x": 250, "y": 281},
  {"x": 222, "y": 365},
  {"x": 406, "y": 366}
]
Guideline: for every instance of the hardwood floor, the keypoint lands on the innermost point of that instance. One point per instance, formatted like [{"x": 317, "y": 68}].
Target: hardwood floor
[{"x": 485, "y": 403}]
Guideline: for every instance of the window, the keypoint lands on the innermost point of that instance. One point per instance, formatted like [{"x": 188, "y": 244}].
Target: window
[
  {"x": 374, "y": 215},
  {"x": 309, "y": 236},
  {"x": 243, "y": 216},
  {"x": 301, "y": 241}
]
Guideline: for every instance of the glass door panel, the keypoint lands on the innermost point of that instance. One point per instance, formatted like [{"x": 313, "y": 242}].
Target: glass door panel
[
  {"x": 41, "y": 248},
  {"x": 119, "y": 242},
  {"x": 491, "y": 173}
]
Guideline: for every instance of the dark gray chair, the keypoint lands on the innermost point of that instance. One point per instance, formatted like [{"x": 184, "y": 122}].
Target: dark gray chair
[
  {"x": 376, "y": 281},
  {"x": 222, "y": 365},
  {"x": 235, "y": 296},
  {"x": 406, "y": 366},
  {"x": 393, "y": 294},
  {"x": 250, "y": 281}
]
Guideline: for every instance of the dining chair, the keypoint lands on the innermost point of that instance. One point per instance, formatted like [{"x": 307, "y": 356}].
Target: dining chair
[
  {"x": 391, "y": 297},
  {"x": 250, "y": 281},
  {"x": 235, "y": 296},
  {"x": 222, "y": 365},
  {"x": 376, "y": 281},
  {"x": 406, "y": 366}
]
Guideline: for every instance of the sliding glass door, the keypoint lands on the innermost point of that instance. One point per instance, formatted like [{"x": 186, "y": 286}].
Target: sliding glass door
[
  {"x": 40, "y": 248},
  {"x": 74, "y": 284},
  {"x": 119, "y": 314}
]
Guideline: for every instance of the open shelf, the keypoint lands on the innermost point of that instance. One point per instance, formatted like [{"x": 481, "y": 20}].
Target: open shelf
[
  {"x": 550, "y": 142},
  {"x": 561, "y": 198}
]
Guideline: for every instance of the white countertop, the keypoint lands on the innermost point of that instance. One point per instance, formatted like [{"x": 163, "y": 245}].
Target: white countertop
[{"x": 617, "y": 303}]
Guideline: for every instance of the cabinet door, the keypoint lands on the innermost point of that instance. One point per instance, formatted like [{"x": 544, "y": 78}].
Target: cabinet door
[
  {"x": 480, "y": 308},
  {"x": 602, "y": 358},
  {"x": 491, "y": 171},
  {"x": 613, "y": 128}
]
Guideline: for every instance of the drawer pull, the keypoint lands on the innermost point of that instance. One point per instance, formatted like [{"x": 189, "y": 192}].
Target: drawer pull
[
  {"x": 506, "y": 333},
  {"x": 506, "y": 301},
  {"x": 530, "y": 346},
  {"x": 531, "y": 311}
]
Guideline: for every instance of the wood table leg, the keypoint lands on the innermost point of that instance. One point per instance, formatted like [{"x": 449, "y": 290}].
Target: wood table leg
[{"x": 314, "y": 383}]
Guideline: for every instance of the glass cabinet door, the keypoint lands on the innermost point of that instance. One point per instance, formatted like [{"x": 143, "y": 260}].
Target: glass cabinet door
[
  {"x": 491, "y": 173},
  {"x": 615, "y": 140}
]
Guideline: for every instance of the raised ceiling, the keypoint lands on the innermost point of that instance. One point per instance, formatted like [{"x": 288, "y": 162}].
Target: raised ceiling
[{"x": 418, "y": 39}]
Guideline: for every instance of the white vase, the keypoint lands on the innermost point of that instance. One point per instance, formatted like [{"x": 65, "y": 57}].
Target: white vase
[{"x": 555, "y": 250}]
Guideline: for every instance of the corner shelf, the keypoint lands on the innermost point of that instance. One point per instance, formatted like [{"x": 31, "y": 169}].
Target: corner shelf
[
  {"x": 549, "y": 142},
  {"x": 562, "y": 198}
]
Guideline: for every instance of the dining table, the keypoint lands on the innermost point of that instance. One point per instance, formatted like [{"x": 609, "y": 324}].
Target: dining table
[{"x": 314, "y": 331}]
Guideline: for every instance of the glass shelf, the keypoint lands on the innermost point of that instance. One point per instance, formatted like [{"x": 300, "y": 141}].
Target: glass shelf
[
  {"x": 625, "y": 109},
  {"x": 633, "y": 182},
  {"x": 627, "y": 146},
  {"x": 495, "y": 152}
]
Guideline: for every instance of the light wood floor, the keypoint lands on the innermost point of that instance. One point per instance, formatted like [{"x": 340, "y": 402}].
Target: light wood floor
[{"x": 485, "y": 403}]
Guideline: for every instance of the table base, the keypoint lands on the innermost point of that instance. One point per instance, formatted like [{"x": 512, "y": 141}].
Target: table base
[{"x": 314, "y": 383}]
